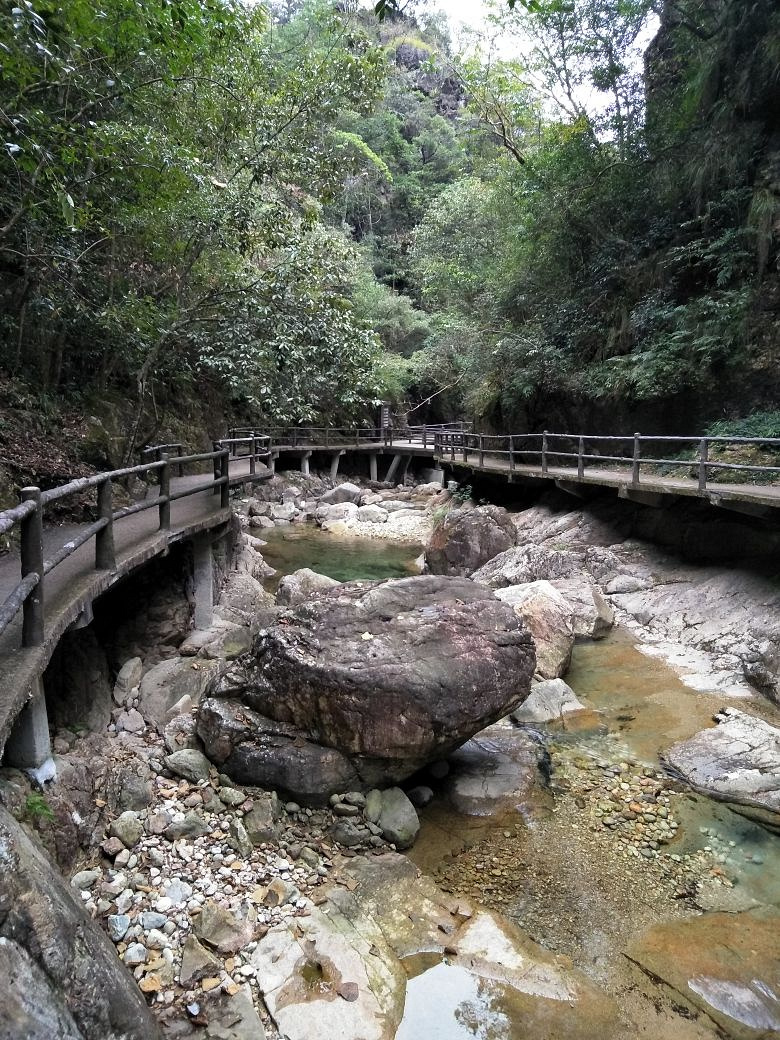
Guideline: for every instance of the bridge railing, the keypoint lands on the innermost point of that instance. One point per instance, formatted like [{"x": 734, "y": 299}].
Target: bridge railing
[
  {"x": 301, "y": 436},
  {"x": 28, "y": 596},
  {"x": 581, "y": 452}
]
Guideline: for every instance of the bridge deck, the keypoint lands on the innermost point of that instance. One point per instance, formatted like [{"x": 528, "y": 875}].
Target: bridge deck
[{"x": 74, "y": 584}]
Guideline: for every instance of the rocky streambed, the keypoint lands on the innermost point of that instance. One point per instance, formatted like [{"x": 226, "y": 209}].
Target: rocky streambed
[{"x": 564, "y": 879}]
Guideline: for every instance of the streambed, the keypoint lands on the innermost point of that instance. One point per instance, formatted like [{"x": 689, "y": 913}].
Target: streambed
[{"x": 559, "y": 872}]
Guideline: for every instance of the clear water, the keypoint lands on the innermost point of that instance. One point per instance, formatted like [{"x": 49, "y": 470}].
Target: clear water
[{"x": 345, "y": 559}]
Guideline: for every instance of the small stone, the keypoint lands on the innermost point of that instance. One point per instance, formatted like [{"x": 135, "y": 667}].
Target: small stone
[
  {"x": 196, "y": 962},
  {"x": 128, "y": 828},
  {"x": 135, "y": 954},
  {"x": 117, "y": 926},
  {"x": 112, "y": 847},
  {"x": 211, "y": 983},
  {"x": 189, "y": 763},
  {"x": 85, "y": 879},
  {"x": 150, "y": 984},
  {"x": 192, "y": 826},
  {"x": 292, "y": 807},
  {"x": 349, "y": 991},
  {"x": 150, "y": 919},
  {"x": 230, "y": 796}
]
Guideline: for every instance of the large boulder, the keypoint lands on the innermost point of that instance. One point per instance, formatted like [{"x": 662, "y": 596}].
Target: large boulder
[
  {"x": 737, "y": 761},
  {"x": 592, "y": 616},
  {"x": 61, "y": 972},
  {"x": 383, "y": 676},
  {"x": 467, "y": 538},
  {"x": 303, "y": 585},
  {"x": 167, "y": 682},
  {"x": 549, "y": 618}
]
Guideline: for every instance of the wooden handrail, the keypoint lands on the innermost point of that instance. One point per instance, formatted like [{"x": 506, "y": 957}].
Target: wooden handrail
[{"x": 28, "y": 594}]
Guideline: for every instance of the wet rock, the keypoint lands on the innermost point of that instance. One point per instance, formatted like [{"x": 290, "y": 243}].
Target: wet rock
[
  {"x": 499, "y": 770},
  {"x": 547, "y": 702},
  {"x": 189, "y": 763},
  {"x": 128, "y": 828},
  {"x": 738, "y": 761},
  {"x": 398, "y": 819},
  {"x": 339, "y": 671},
  {"x": 467, "y": 538},
  {"x": 549, "y": 618},
  {"x": 715, "y": 964},
  {"x": 303, "y": 585}
]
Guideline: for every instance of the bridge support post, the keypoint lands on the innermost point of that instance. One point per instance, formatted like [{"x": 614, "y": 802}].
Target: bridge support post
[
  {"x": 305, "y": 463},
  {"x": 334, "y": 464},
  {"x": 393, "y": 468},
  {"x": 373, "y": 471},
  {"x": 28, "y": 745},
  {"x": 203, "y": 575}
]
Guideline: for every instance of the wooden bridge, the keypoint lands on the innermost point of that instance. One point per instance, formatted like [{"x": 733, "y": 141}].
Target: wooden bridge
[{"x": 50, "y": 584}]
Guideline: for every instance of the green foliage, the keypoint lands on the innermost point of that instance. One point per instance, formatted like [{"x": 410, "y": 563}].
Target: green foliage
[
  {"x": 759, "y": 424},
  {"x": 36, "y": 807}
]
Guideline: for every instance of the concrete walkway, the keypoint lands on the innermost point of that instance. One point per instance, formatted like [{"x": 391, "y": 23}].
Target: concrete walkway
[{"x": 71, "y": 587}]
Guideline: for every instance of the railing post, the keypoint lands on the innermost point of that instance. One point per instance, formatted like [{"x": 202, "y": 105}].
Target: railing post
[
  {"x": 425, "y": 436},
  {"x": 511, "y": 454},
  {"x": 165, "y": 491},
  {"x": 481, "y": 450},
  {"x": 580, "y": 459},
  {"x": 704, "y": 454},
  {"x": 327, "y": 436},
  {"x": 105, "y": 559},
  {"x": 180, "y": 454},
  {"x": 224, "y": 472},
  {"x": 216, "y": 447},
  {"x": 544, "y": 451},
  {"x": 357, "y": 437},
  {"x": 32, "y": 563},
  {"x": 294, "y": 438},
  {"x": 252, "y": 459},
  {"x": 464, "y": 447},
  {"x": 635, "y": 463}
]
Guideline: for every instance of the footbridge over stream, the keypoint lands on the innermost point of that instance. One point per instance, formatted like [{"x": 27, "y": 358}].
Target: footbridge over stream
[{"x": 49, "y": 585}]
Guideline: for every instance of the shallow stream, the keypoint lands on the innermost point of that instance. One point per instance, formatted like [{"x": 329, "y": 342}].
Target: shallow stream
[{"x": 586, "y": 909}]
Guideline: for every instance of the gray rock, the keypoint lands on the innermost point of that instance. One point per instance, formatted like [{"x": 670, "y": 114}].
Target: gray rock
[
  {"x": 372, "y": 515},
  {"x": 117, "y": 926},
  {"x": 340, "y": 511},
  {"x": 283, "y": 511},
  {"x": 180, "y": 733},
  {"x": 549, "y": 618},
  {"x": 303, "y": 585},
  {"x": 737, "y": 761},
  {"x": 192, "y": 826},
  {"x": 373, "y": 807},
  {"x": 547, "y": 702},
  {"x": 196, "y": 962},
  {"x": 127, "y": 681},
  {"x": 149, "y": 919},
  {"x": 349, "y": 833},
  {"x": 189, "y": 763},
  {"x": 130, "y": 721},
  {"x": 30, "y": 1007},
  {"x": 128, "y": 828},
  {"x": 527, "y": 563},
  {"x": 239, "y": 839},
  {"x": 398, "y": 820},
  {"x": 420, "y": 796},
  {"x": 135, "y": 954},
  {"x": 85, "y": 879},
  {"x": 235, "y": 1018},
  {"x": 592, "y": 616},
  {"x": 225, "y": 931},
  {"x": 168, "y": 682},
  {"x": 467, "y": 538},
  {"x": 261, "y": 822},
  {"x": 345, "y": 492}
]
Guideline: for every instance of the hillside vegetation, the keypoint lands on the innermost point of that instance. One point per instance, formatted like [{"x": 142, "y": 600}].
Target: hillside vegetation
[{"x": 291, "y": 212}]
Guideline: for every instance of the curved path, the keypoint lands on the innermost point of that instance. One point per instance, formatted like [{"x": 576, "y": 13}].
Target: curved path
[{"x": 74, "y": 584}]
